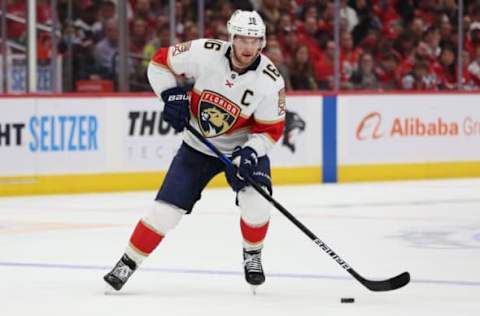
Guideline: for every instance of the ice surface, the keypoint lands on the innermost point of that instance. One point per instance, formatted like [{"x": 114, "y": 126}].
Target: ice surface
[{"x": 54, "y": 251}]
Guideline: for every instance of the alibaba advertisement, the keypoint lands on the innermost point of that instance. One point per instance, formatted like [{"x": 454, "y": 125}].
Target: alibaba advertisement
[{"x": 382, "y": 129}]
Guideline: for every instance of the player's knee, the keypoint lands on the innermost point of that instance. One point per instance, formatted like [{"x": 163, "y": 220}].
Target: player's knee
[
  {"x": 163, "y": 217},
  {"x": 254, "y": 208}
]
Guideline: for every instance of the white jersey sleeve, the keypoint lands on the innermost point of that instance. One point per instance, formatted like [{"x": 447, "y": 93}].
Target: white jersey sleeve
[
  {"x": 269, "y": 120},
  {"x": 169, "y": 62}
]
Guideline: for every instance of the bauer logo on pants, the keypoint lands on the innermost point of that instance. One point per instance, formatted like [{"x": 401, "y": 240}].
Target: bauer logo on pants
[{"x": 216, "y": 114}]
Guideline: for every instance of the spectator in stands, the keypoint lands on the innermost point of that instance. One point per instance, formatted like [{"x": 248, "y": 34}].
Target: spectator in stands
[
  {"x": 349, "y": 14},
  {"x": 161, "y": 39},
  {"x": 310, "y": 11},
  {"x": 106, "y": 50},
  {"x": 445, "y": 69},
  {"x": 326, "y": 22},
  {"x": 275, "y": 55},
  {"x": 16, "y": 31},
  {"x": 446, "y": 31},
  {"x": 221, "y": 33},
  {"x": 107, "y": 11},
  {"x": 87, "y": 28},
  {"x": 324, "y": 67},
  {"x": 289, "y": 45},
  {"x": 371, "y": 42},
  {"x": 189, "y": 10},
  {"x": 87, "y": 32},
  {"x": 44, "y": 11},
  {"x": 364, "y": 78},
  {"x": 474, "y": 68},
  {"x": 367, "y": 20},
  {"x": 468, "y": 82},
  {"x": 419, "y": 78},
  {"x": 190, "y": 32},
  {"x": 392, "y": 30},
  {"x": 142, "y": 10},
  {"x": 386, "y": 71},
  {"x": 301, "y": 70},
  {"x": 426, "y": 11},
  {"x": 284, "y": 23},
  {"x": 385, "y": 11},
  {"x": 449, "y": 9},
  {"x": 139, "y": 35},
  {"x": 226, "y": 10},
  {"x": 473, "y": 38},
  {"x": 163, "y": 30},
  {"x": 287, "y": 6},
  {"x": 431, "y": 43},
  {"x": 349, "y": 58},
  {"x": 156, "y": 7},
  {"x": 405, "y": 45},
  {"x": 417, "y": 28},
  {"x": 270, "y": 13},
  {"x": 308, "y": 36}
]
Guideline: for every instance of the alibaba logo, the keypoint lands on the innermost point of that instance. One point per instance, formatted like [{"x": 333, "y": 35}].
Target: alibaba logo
[{"x": 369, "y": 127}]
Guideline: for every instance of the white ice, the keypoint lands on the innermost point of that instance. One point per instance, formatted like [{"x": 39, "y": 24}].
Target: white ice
[{"x": 54, "y": 251}]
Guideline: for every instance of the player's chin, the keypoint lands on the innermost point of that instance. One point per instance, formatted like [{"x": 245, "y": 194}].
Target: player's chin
[{"x": 247, "y": 60}]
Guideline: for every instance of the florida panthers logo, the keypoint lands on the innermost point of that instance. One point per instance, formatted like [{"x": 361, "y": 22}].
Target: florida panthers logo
[
  {"x": 294, "y": 125},
  {"x": 216, "y": 114}
]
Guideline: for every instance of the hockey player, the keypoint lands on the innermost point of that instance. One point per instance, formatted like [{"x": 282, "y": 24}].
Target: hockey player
[{"x": 238, "y": 103}]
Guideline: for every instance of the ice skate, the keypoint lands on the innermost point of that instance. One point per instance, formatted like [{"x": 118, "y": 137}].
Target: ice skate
[
  {"x": 252, "y": 266},
  {"x": 119, "y": 275}
]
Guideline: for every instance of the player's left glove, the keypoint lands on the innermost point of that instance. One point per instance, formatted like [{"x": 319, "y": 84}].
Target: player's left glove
[
  {"x": 244, "y": 162},
  {"x": 176, "y": 110}
]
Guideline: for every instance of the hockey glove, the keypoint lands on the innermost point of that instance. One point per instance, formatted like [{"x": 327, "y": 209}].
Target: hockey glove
[
  {"x": 244, "y": 162},
  {"x": 176, "y": 110}
]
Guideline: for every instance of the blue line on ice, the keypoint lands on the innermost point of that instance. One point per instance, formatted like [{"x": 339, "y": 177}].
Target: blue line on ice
[{"x": 219, "y": 272}]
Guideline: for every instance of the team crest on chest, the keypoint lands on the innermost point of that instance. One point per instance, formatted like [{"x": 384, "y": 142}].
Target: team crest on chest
[{"x": 216, "y": 113}]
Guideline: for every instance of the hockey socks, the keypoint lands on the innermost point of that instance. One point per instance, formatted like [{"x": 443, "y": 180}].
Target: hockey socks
[
  {"x": 143, "y": 241},
  {"x": 253, "y": 235}
]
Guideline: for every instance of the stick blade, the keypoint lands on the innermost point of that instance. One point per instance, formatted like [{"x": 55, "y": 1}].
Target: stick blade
[{"x": 388, "y": 285}]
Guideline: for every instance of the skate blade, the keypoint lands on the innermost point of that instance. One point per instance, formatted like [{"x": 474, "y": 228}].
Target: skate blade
[{"x": 253, "y": 288}]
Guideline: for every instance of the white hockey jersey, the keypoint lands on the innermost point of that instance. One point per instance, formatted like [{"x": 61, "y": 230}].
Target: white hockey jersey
[{"x": 231, "y": 109}]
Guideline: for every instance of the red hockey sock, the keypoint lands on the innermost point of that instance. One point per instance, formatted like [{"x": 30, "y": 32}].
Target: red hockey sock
[
  {"x": 144, "y": 239},
  {"x": 253, "y": 235}
]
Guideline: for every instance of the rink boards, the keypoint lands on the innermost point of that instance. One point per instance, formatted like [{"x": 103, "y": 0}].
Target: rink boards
[
  {"x": 111, "y": 143},
  {"x": 66, "y": 143}
]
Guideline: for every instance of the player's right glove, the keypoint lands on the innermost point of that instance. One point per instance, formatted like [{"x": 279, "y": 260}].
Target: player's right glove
[
  {"x": 245, "y": 159},
  {"x": 244, "y": 164},
  {"x": 176, "y": 110}
]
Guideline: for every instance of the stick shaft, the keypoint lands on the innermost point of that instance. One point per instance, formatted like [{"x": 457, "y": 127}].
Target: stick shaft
[{"x": 386, "y": 285}]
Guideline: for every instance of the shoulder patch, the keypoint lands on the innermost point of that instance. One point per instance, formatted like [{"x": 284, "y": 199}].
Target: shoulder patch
[
  {"x": 181, "y": 48},
  {"x": 281, "y": 102}
]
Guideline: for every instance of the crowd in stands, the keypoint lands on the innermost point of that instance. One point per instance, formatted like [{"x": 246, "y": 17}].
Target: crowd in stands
[{"x": 385, "y": 44}]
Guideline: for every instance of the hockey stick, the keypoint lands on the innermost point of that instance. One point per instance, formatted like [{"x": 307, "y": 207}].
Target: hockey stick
[{"x": 377, "y": 286}]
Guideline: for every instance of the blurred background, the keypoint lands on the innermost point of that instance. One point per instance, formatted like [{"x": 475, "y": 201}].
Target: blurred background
[{"x": 375, "y": 45}]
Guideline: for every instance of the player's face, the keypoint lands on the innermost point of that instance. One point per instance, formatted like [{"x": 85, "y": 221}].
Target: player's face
[{"x": 245, "y": 50}]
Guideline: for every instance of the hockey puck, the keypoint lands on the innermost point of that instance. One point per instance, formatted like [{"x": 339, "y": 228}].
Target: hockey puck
[{"x": 347, "y": 300}]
